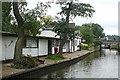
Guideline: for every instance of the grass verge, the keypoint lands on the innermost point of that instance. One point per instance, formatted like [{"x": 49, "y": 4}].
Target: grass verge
[{"x": 55, "y": 57}]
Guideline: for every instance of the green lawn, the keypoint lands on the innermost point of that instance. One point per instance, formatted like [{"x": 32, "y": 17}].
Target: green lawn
[{"x": 55, "y": 57}]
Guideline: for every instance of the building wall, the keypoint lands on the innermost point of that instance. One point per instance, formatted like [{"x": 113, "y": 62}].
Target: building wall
[
  {"x": 55, "y": 44},
  {"x": 72, "y": 45},
  {"x": 43, "y": 47},
  {"x": 31, "y": 47},
  {"x": 30, "y": 51},
  {"x": 66, "y": 46},
  {"x": 8, "y": 44},
  {"x": 76, "y": 43},
  {"x": 53, "y": 52}
]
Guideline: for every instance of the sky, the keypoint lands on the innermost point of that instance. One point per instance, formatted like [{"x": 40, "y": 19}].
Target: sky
[{"x": 106, "y": 13}]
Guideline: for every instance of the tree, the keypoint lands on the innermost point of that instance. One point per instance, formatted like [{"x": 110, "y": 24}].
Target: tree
[
  {"x": 86, "y": 33},
  {"x": 6, "y": 16},
  {"x": 61, "y": 30},
  {"x": 47, "y": 21},
  {"x": 97, "y": 31},
  {"x": 72, "y": 9},
  {"x": 32, "y": 18},
  {"x": 27, "y": 21},
  {"x": 92, "y": 33},
  {"x": 20, "y": 41}
]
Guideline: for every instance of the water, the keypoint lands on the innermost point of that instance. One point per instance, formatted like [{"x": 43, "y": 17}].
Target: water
[{"x": 96, "y": 65}]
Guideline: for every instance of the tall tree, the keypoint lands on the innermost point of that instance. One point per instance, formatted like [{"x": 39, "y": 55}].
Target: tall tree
[
  {"x": 20, "y": 41},
  {"x": 61, "y": 30},
  {"x": 32, "y": 18},
  {"x": 73, "y": 9},
  {"x": 28, "y": 23}
]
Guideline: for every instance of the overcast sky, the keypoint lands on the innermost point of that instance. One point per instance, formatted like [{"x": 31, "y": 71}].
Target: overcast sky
[{"x": 106, "y": 14}]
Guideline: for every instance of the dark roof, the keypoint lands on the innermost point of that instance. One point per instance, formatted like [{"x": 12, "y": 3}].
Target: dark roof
[{"x": 8, "y": 34}]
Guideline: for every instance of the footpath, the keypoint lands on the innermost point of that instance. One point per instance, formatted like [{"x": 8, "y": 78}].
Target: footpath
[{"x": 8, "y": 71}]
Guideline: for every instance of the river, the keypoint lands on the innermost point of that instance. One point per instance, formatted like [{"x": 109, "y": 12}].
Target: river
[{"x": 95, "y": 65}]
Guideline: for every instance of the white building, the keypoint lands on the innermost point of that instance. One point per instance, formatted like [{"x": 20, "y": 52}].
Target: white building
[
  {"x": 42, "y": 44},
  {"x": 34, "y": 46}
]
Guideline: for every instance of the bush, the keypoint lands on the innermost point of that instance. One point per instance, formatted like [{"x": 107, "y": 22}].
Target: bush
[
  {"x": 97, "y": 42},
  {"x": 84, "y": 46},
  {"x": 25, "y": 62}
]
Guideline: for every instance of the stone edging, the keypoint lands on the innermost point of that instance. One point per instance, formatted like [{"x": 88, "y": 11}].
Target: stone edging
[{"x": 47, "y": 68}]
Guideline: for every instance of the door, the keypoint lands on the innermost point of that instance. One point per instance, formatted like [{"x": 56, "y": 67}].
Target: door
[{"x": 49, "y": 47}]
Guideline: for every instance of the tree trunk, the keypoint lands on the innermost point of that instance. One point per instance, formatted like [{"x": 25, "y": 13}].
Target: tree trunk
[
  {"x": 63, "y": 41},
  {"x": 20, "y": 41}
]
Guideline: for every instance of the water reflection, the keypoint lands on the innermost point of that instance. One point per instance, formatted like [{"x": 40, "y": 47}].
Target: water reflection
[{"x": 102, "y": 64}]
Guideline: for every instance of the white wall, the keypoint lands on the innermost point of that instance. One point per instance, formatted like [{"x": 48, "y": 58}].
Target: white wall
[
  {"x": 43, "y": 47},
  {"x": 65, "y": 48},
  {"x": 72, "y": 45},
  {"x": 30, "y": 51},
  {"x": 76, "y": 43},
  {"x": 53, "y": 52},
  {"x": 8, "y": 44}
]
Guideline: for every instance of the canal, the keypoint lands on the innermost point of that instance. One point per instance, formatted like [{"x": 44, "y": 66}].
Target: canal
[{"x": 95, "y": 65}]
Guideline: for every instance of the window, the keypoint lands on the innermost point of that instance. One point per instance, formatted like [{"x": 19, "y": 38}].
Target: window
[{"x": 32, "y": 42}]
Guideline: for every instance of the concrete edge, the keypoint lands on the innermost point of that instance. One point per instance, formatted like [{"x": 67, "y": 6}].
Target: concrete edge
[{"x": 32, "y": 70}]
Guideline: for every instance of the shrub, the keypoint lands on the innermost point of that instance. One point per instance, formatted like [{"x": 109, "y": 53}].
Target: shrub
[
  {"x": 97, "y": 42},
  {"x": 84, "y": 46},
  {"x": 25, "y": 62}
]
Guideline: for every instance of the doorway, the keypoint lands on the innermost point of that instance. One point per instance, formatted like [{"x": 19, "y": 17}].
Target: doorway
[{"x": 49, "y": 47}]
